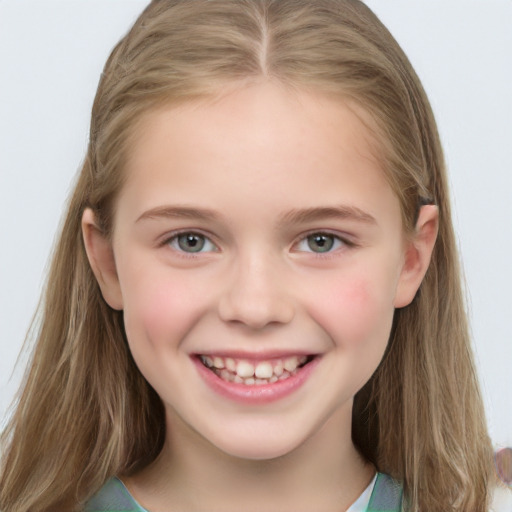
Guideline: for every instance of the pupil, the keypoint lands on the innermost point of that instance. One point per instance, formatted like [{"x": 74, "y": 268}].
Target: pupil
[
  {"x": 191, "y": 243},
  {"x": 320, "y": 243}
]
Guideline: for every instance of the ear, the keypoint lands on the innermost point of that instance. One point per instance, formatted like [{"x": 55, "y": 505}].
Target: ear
[
  {"x": 417, "y": 255},
  {"x": 101, "y": 258}
]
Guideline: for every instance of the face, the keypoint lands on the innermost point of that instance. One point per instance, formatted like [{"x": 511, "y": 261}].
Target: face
[{"x": 258, "y": 256}]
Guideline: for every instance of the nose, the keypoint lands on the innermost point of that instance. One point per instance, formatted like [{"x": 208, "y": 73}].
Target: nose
[{"x": 256, "y": 295}]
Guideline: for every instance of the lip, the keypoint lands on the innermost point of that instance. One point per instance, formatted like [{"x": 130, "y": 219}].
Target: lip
[
  {"x": 256, "y": 356},
  {"x": 257, "y": 394}
]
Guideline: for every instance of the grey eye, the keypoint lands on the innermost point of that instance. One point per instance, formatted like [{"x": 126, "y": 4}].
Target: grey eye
[
  {"x": 320, "y": 242},
  {"x": 192, "y": 243}
]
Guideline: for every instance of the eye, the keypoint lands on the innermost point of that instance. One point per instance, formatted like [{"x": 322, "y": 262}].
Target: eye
[
  {"x": 191, "y": 242},
  {"x": 320, "y": 243}
]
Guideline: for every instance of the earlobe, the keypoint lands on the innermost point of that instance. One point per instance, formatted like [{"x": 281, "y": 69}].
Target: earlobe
[
  {"x": 418, "y": 255},
  {"x": 101, "y": 258}
]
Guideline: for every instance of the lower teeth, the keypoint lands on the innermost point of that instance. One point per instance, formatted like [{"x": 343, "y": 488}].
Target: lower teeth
[{"x": 250, "y": 381}]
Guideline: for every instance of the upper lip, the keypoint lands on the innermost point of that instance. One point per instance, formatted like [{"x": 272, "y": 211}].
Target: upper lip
[{"x": 255, "y": 355}]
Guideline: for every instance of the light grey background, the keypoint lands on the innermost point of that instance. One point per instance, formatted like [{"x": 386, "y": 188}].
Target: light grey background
[{"x": 51, "y": 56}]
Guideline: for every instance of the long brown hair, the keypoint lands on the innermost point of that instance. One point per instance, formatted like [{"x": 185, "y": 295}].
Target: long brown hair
[{"x": 85, "y": 412}]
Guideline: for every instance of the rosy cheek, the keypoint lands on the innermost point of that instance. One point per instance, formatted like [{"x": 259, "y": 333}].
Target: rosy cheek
[
  {"x": 157, "y": 313},
  {"x": 149, "y": 309},
  {"x": 357, "y": 296},
  {"x": 358, "y": 306},
  {"x": 161, "y": 310},
  {"x": 353, "y": 313}
]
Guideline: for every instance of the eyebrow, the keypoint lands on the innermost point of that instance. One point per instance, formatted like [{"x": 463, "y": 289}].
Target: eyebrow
[
  {"x": 183, "y": 212},
  {"x": 301, "y": 216},
  {"x": 296, "y": 216}
]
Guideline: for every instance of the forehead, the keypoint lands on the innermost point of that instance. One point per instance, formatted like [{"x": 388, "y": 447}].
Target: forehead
[
  {"x": 253, "y": 141},
  {"x": 268, "y": 111}
]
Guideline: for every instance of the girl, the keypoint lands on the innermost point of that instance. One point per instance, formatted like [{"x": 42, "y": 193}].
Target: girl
[{"x": 255, "y": 301}]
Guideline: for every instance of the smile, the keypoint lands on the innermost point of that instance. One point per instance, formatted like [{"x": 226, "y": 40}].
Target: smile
[
  {"x": 258, "y": 373},
  {"x": 252, "y": 381}
]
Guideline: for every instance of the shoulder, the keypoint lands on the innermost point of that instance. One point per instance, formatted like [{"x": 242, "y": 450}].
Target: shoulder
[{"x": 113, "y": 497}]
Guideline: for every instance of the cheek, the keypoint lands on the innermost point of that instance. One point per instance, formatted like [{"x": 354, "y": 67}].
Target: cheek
[
  {"x": 356, "y": 312},
  {"x": 160, "y": 310}
]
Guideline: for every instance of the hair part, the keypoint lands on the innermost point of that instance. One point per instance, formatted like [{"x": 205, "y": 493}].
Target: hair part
[{"x": 86, "y": 413}]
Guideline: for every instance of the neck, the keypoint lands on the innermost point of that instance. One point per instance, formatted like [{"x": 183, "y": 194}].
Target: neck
[{"x": 325, "y": 473}]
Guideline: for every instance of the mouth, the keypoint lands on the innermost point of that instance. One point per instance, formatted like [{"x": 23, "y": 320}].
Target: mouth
[{"x": 255, "y": 372}]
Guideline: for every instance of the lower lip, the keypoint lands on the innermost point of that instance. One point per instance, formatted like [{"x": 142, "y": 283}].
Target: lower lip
[{"x": 257, "y": 393}]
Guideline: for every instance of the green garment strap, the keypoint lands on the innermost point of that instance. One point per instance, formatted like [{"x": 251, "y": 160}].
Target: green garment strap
[
  {"x": 114, "y": 497},
  {"x": 386, "y": 495}
]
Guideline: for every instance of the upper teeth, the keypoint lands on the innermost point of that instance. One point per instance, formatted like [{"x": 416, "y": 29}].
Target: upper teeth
[{"x": 247, "y": 370}]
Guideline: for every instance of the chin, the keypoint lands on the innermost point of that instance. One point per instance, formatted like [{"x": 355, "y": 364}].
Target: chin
[
  {"x": 257, "y": 452},
  {"x": 258, "y": 446}
]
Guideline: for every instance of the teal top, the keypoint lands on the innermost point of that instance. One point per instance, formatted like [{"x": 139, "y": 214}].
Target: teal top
[{"x": 114, "y": 497}]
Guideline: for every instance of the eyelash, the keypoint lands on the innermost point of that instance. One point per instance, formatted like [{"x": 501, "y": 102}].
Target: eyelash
[
  {"x": 342, "y": 243},
  {"x": 339, "y": 243},
  {"x": 174, "y": 238}
]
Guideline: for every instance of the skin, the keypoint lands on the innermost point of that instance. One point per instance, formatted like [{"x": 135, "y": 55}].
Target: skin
[{"x": 253, "y": 158}]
